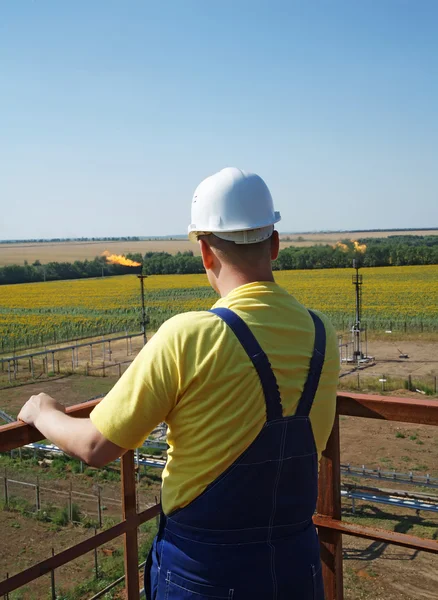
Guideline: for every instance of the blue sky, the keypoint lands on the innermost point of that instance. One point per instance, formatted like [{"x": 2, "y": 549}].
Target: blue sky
[{"x": 112, "y": 112}]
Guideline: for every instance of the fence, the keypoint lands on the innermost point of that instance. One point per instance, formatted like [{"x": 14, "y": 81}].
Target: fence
[
  {"x": 54, "y": 504},
  {"x": 328, "y": 517},
  {"x": 52, "y": 340},
  {"x": 356, "y": 379},
  {"x": 105, "y": 369},
  {"x": 398, "y": 498},
  {"x": 412, "y": 325},
  {"x": 44, "y": 362},
  {"x": 405, "y": 478}
]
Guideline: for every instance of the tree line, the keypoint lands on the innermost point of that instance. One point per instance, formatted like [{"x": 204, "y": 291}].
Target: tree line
[
  {"x": 397, "y": 250},
  {"x": 53, "y": 271}
]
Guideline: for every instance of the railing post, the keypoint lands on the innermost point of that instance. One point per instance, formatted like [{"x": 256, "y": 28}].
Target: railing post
[
  {"x": 129, "y": 510},
  {"x": 96, "y": 563},
  {"x": 329, "y": 504},
  {"x": 52, "y": 580}
]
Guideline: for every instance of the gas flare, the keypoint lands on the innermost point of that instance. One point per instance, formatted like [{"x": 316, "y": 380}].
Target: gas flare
[
  {"x": 119, "y": 259},
  {"x": 342, "y": 246},
  {"x": 356, "y": 246},
  {"x": 359, "y": 247}
]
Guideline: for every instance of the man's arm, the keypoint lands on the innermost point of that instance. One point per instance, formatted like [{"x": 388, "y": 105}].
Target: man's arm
[{"x": 77, "y": 437}]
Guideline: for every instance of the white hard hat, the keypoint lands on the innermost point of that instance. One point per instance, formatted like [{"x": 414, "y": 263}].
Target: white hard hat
[{"x": 234, "y": 205}]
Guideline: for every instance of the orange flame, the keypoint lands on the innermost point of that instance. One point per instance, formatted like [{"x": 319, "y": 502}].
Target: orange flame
[
  {"x": 119, "y": 259},
  {"x": 342, "y": 246},
  {"x": 356, "y": 246},
  {"x": 359, "y": 247}
]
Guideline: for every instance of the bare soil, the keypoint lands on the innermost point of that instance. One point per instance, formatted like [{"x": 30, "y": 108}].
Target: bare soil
[
  {"x": 67, "y": 390},
  {"x": 26, "y": 541},
  {"x": 421, "y": 367},
  {"x": 422, "y": 361},
  {"x": 378, "y": 571}
]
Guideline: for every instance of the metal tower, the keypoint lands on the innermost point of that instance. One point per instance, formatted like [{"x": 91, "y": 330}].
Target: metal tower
[{"x": 357, "y": 329}]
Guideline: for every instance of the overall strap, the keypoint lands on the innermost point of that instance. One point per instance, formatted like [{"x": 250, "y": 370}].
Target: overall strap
[
  {"x": 259, "y": 359},
  {"x": 315, "y": 368}
]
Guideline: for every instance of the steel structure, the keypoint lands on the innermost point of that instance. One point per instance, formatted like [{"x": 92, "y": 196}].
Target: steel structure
[
  {"x": 401, "y": 500},
  {"x": 359, "y": 345},
  {"x": 406, "y": 478}
]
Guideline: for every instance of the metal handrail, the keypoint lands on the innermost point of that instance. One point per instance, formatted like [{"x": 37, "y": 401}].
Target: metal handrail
[{"x": 327, "y": 519}]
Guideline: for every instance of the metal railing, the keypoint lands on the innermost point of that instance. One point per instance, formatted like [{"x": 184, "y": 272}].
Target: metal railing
[{"x": 327, "y": 519}]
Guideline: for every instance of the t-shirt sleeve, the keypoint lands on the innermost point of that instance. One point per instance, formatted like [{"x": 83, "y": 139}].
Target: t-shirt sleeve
[{"x": 144, "y": 395}]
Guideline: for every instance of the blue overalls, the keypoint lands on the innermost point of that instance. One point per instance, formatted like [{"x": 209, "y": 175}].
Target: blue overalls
[{"x": 250, "y": 535}]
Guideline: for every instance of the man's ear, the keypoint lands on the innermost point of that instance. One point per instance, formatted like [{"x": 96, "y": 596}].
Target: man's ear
[
  {"x": 275, "y": 245},
  {"x": 206, "y": 254}
]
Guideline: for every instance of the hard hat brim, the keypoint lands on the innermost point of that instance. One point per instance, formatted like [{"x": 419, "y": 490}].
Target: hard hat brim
[{"x": 240, "y": 237}]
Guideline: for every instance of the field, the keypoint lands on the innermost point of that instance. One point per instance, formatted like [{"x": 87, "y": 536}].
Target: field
[
  {"x": 404, "y": 298},
  {"x": 71, "y": 251}
]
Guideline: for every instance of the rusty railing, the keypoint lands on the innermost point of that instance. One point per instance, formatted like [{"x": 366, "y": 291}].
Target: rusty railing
[{"x": 327, "y": 519}]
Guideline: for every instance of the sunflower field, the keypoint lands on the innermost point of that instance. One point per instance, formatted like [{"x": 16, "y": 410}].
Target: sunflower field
[{"x": 49, "y": 312}]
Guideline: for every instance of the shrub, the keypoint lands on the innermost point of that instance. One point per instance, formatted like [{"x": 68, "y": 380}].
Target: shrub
[
  {"x": 62, "y": 515},
  {"x": 75, "y": 467},
  {"x": 58, "y": 464}
]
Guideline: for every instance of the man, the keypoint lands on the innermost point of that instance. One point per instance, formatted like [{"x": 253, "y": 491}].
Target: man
[{"x": 248, "y": 392}]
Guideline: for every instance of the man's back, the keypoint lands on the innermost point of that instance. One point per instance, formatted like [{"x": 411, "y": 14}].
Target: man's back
[{"x": 197, "y": 377}]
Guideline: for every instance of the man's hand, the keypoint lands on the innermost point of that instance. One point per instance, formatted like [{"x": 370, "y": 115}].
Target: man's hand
[
  {"x": 38, "y": 405},
  {"x": 77, "y": 437}
]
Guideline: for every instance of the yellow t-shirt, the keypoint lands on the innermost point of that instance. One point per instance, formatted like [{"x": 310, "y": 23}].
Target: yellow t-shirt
[{"x": 195, "y": 375}]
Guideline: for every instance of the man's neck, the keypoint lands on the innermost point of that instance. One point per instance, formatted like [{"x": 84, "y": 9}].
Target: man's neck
[{"x": 236, "y": 279}]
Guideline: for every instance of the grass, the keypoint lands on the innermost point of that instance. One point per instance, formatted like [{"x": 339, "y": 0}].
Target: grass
[
  {"x": 353, "y": 584},
  {"x": 372, "y": 384},
  {"x": 62, "y": 466},
  {"x": 58, "y": 516},
  {"x": 423, "y": 468}
]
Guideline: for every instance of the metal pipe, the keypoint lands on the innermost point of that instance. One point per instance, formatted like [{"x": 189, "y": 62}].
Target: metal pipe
[{"x": 143, "y": 310}]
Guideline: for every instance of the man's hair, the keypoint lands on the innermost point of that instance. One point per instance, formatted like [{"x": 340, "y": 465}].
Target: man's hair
[{"x": 240, "y": 255}]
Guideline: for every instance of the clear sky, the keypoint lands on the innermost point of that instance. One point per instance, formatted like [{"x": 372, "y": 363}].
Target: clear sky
[{"x": 111, "y": 112}]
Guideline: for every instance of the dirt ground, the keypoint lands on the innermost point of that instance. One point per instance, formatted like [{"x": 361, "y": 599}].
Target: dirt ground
[
  {"x": 422, "y": 361},
  {"x": 378, "y": 571},
  {"x": 67, "y": 390},
  {"x": 26, "y": 541},
  {"x": 420, "y": 369},
  {"x": 371, "y": 570},
  {"x": 71, "y": 251}
]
